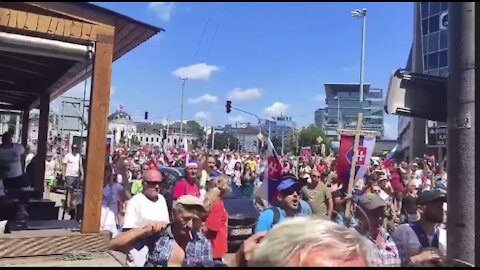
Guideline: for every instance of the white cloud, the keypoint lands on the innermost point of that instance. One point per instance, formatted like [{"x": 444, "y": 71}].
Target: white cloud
[
  {"x": 204, "y": 98},
  {"x": 276, "y": 109},
  {"x": 200, "y": 71},
  {"x": 163, "y": 9},
  {"x": 245, "y": 94},
  {"x": 202, "y": 115},
  {"x": 237, "y": 118}
]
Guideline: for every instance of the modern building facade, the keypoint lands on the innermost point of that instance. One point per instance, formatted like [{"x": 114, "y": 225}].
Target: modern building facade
[
  {"x": 343, "y": 105},
  {"x": 320, "y": 117},
  {"x": 428, "y": 55}
]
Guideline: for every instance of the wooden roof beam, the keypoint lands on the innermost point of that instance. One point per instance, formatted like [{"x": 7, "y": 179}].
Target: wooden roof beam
[{"x": 35, "y": 23}]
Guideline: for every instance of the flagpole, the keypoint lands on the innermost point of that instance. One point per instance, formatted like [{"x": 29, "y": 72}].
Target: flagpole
[{"x": 354, "y": 164}]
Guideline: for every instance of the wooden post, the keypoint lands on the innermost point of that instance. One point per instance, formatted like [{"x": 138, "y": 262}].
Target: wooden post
[
  {"x": 97, "y": 136},
  {"x": 25, "y": 125},
  {"x": 39, "y": 177},
  {"x": 351, "y": 181}
]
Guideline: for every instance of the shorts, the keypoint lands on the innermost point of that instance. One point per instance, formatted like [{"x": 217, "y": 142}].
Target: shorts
[
  {"x": 15, "y": 182},
  {"x": 50, "y": 181},
  {"x": 71, "y": 182}
]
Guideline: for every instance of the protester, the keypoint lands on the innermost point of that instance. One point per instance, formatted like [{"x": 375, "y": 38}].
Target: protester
[
  {"x": 425, "y": 242},
  {"x": 143, "y": 208},
  {"x": 216, "y": 223},
  {"x": 318, "y": 196},
  {"x": 248, "y": 182},
  {"x": 289, "y": 204},
  {"x": 208, "y": 168},
  {"x": 11, "y": 165},
  {"x": 189, "y": 185},
  {"x": 179, "y": 244},
  {"x": 319, "y": 243},
  {"x": 409, "y": 203},
  {"x": 50, "y": 176},
  {"x": 384, "y": 251},
  {"x": 72, "y": 172},
  {"x": 113, "y": 196}
]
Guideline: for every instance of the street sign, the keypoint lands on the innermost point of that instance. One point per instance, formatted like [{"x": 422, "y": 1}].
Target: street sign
[
  {"x": 260, "y": 136},
  {"x": 319, "y": 139},
  {"x": 436, "y": 134}
]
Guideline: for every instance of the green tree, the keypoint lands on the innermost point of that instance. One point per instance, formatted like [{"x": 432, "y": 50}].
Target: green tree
[
  {"x": 308, "y": 137},
  {"x": 196, "y": 129},
  {"x": 222, "y": 140}
]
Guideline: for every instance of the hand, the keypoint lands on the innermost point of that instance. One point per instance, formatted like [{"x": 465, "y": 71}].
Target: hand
[
  {"x": 430, "y": 255},
  {"x": 155, "y": 228},
  {"x": 246, "y": 250}
]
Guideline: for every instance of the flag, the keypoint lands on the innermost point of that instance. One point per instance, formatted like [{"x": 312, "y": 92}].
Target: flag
[
  {"x": 185, "y": 149},
  {"x": 392, "y": 153},
  {"x": 345, "y": 156},
  {"x": 272, "y": 174}
]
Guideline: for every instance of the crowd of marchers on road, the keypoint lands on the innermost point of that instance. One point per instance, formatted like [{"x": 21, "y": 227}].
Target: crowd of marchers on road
[{"x": 186, "y": 218}]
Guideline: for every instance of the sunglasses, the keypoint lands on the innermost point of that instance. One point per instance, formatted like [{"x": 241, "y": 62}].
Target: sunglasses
[
  {"x": 290, "y": 191},
  {"x": 377, "y": 190},
  {"x": 153, "y": 183},
  {"x": 316, "y": 176}
]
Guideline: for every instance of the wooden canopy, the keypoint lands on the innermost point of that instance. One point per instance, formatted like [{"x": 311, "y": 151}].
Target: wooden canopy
[
  {"x": 29, "y": 80},
  {"x": 24, "y": 77}
]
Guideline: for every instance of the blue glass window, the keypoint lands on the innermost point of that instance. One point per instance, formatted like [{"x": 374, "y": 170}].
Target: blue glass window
[
  {"x": 434, "y": 8},
  {"x": 425, "y": 27},
  {"x": 433, "y": 42},
  {"x": 443, "y": 61},
  {"x": 443, "y": 6},
  {"x": 432, "y": 61},
  {"x": 424, "y": 9},
  {"x": 433, "y": 23},
  {"x": 425, "y": 44},
  {"x": 443, "y": 39}
]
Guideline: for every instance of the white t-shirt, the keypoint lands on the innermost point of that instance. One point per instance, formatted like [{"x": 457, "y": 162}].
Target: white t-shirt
[
  {"x": 140, "y": 211},
  {"x": 73, "y": 164},
  {"x": 50, "y": 169},
  {"x": 11, "y": 157},
  {"x": 230, "y": 166},
  {"x": 407, "y": 237},
  {"x": 28, "y": 158}
]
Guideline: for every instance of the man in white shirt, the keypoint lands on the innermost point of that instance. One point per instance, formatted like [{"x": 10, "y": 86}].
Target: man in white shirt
[
  {"x": 142, "y": 209},
  {"x": 10, "y": 163},
  {"x": 49, "y": 174},
  {"x": 424, "y": 241},
  {"x": 72, "y": 171}
]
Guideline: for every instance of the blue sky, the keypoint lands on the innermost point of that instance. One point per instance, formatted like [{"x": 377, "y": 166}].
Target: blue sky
[{"x": 267, "y": 57}]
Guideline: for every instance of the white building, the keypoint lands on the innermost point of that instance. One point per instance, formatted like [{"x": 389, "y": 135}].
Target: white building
[{"x": 122, "y": 127}]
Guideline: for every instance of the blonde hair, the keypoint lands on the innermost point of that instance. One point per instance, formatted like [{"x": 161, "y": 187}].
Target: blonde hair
[
  {"x": 302, "y": 234},
  {"x": 219, "y": 190}
]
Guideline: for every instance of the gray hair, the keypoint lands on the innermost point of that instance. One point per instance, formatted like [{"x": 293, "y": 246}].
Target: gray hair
[{"x": 304, "y": 233}]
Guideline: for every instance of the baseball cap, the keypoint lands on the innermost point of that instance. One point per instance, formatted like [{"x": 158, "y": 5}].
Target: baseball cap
[
  {"x": 430, "y": 196},
  {"x": 190, "y": 200},
  {"x": 370, "y": 201},
  {"x": 288, "y": 183}
]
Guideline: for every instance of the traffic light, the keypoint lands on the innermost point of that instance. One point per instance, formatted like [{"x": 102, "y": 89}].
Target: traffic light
[
  {"x": 228, "y": 106},
  {"x": 146, "y": 115}
]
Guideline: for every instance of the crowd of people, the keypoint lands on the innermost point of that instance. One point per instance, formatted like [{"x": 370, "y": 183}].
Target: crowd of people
[{"x": 394, "y": 216}]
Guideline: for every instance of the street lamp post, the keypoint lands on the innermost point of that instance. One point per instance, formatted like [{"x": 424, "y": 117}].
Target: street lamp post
[
  {"x": 181, "y": 107},
  {"x": 362, "y": 14}
]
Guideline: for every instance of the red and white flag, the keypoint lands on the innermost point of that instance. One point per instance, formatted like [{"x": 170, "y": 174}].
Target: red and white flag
[{"x": 272, "y": 174}]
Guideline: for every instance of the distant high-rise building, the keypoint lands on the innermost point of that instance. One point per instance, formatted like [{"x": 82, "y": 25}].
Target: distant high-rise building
[
  {"x": 320, "y": 117},
  {"x": 428, "y": 55},
  {"x": 343, "y": 105}
]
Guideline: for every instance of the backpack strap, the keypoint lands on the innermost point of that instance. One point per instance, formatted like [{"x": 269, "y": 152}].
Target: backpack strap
[
  {"x": 276, "y": 215},
  {"x": 422, "y": 236}
]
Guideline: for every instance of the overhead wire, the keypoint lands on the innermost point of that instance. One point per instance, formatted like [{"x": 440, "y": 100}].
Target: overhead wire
[{"x": 216, "y": 30}]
